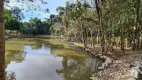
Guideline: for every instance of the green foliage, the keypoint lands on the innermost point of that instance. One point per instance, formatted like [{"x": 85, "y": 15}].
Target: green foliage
[
  {"x": 56, "y": 29},
  {"x": 36, "y": 26},
  {"x": 103, "y": 21},
  {"x": 10, "y": 22}
]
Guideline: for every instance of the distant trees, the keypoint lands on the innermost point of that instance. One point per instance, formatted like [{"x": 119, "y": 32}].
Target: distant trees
[{"x": 36, "y": 26}]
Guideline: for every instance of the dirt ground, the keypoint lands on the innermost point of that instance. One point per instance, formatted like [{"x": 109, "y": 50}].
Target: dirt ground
[{"x": 121, "y": 67}]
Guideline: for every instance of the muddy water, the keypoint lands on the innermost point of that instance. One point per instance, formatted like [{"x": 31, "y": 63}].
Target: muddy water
[{"x": 47, "y": 59}]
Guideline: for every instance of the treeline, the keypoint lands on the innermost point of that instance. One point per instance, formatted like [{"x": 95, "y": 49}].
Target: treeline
[
  {"x": 110, "y": 23},
  {"x": 36, "y": 27},
  {"x": 13, "y": 21}
]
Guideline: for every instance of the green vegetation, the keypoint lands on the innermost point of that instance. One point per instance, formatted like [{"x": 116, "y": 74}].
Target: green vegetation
[
  {"x": 11, "y": 22},
  {"x": 112, "y": 24},
  {"x": 13, "y": 17},
  {"x": 79, "y": 44}
]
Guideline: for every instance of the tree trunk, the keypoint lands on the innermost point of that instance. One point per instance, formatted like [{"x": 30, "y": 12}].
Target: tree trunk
[
  {"x": 97, "y": 37},
  {"x": 91, "y": 32},
  {"x": 2, "y": 42},
  {"x": 121, "y": 38},
  {"x": 98, "y": 4},
  {"x": 136, "y": 31}
]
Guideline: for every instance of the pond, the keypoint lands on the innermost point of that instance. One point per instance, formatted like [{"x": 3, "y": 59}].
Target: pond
[{"x": 47, "y": 59}]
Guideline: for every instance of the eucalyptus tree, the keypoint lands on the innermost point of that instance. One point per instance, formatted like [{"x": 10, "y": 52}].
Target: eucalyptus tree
[
  {"x": 56, "y": 29},
  {"x": 77, "y": 12},
  {"x": 51, "y": 18},
  {"x": 63, "y": 12},
  {"x": 99, "y": 5},
  {"x": 110, "y": 20},
  {"x": 123, "y": 20},
  {"x": 137, "y": 26}
]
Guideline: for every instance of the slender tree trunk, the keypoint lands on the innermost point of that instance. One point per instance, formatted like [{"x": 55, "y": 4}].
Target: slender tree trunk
[
  {"x": 98, "y": 4},
  {"x": 137, "y": 13},
  {"x": 126, "y": 41},
  {"x": 92, "y": 38},
  {"x": 138, "y": 43},
  {"x": 2, "y": 42},
  {"x": 121, "y": 38},
  {"x": 85, "y": 37},
  {"x": 83, "y": 34},
  {"x": 97, "y": 37}
]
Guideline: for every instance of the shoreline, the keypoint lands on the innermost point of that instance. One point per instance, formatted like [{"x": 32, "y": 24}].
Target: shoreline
[
  {"x": 107, "y": 60},
  {"x": 113, "y": 69},
  {"x": 10, "y": 37}
]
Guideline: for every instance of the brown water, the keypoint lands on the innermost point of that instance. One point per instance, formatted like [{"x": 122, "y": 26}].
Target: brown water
[{"x": 47, "y": 59}]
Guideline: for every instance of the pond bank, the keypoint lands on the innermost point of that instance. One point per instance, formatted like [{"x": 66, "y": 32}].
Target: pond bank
[
  {"x": 114, "y": 69},
  {"x": 107, "y": 60},
  {"x": 10, "y": 37}
]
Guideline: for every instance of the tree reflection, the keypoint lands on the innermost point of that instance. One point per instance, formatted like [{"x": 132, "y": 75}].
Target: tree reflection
[
  {"x": 10, "y": 76},
  {"x": 78, "y": 69},
  {"x": 15, "y": 56}
]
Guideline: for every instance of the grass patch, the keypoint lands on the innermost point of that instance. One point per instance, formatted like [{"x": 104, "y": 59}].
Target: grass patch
[{"x": 78, "y": 44}]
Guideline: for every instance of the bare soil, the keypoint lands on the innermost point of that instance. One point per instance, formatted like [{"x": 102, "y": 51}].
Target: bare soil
[{"x": 121, "y": 67}]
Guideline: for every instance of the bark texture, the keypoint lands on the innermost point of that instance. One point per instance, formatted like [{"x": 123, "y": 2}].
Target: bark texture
[{"x": 2, "y": 42}]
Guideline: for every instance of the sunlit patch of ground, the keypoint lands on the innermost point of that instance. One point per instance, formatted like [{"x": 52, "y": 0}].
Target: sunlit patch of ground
[{"x": 79, "y": 44}]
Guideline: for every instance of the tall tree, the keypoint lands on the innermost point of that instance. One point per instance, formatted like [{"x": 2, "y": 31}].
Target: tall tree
[{"x": 2, "y": 42}]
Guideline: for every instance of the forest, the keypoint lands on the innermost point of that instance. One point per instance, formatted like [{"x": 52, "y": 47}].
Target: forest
[{"x": 112, "y": 24}]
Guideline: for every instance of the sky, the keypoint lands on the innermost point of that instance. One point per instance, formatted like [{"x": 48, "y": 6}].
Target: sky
[{"x": 51, "y": 5}]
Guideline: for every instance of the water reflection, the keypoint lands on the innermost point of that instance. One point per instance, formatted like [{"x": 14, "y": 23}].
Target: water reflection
[
  {"x": 77, "y": 69},
  {"x": 11, "y": 76},
  {"x": 48, "y": 63}
]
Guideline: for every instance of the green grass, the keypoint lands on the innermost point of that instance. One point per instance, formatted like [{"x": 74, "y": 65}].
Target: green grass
[{"x": 78, "y": 44}]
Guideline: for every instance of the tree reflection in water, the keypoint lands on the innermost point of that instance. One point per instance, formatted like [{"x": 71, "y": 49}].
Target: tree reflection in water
[
  {"x": 10, "y": 76},
  {"x": 14, "y": 56},
  {"x": 78, "y": 69}
]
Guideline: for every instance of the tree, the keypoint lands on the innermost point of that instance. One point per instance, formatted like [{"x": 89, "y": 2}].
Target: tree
[
  {"x": 2, "y": 42},
  {"x": 12, "y": 22},
  {"x": 56, "y": 29},
  {"x": 104, "y": 21},
  {"x": 51, "y": 18},
  {"x": 63, "y": 14}
]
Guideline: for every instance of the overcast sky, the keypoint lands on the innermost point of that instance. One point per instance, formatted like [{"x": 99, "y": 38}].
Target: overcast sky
[{"x": 52, "y": 5}]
